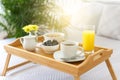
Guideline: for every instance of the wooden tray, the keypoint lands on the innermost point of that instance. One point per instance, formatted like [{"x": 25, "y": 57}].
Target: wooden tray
[{"x": 76, "y": 69}]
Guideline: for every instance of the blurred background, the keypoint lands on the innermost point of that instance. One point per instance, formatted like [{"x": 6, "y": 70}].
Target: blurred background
[{"x": 49, "y": 15}]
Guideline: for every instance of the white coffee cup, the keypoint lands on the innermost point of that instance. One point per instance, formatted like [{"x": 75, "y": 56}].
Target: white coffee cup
[{"x": 69, "y": 48}]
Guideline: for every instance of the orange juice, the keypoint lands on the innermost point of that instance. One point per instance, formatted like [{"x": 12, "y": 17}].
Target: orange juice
[{"x": 88, "y": 40}]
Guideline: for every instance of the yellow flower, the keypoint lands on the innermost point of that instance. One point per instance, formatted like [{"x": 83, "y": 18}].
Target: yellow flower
[
  {"x": 30, "y": 28},
  {"x": 34, "y": 27}
]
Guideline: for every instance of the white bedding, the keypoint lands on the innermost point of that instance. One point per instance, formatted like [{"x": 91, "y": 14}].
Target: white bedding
[{"x": 39, "y": 72}]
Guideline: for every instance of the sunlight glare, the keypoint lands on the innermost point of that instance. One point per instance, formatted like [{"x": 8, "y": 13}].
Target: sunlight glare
[{"x": 70, "y": 7}]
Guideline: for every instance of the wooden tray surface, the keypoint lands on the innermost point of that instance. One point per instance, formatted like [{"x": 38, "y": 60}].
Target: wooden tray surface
[{"x": 17, "y": 44}]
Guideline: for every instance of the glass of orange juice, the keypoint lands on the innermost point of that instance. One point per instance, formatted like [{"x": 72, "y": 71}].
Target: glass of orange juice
[{"x": 88, "y": 38}]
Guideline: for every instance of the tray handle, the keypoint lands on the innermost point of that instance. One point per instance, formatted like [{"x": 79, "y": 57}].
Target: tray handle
[
  {"x": 94, "y": 59},
  {"x": 101, "y": 55}
]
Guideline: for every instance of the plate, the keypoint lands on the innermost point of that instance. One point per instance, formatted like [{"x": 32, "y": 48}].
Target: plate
[{"x": 58, "y": 55}]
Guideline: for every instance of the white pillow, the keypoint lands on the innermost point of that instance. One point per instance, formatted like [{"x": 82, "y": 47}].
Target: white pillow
[
  {"x": 109, "y": 25},
  {"x": 88, "y": 14}
]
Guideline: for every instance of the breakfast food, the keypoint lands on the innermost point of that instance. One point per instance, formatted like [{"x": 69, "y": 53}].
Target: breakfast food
[
  {"x": 54, "y": 36},
  {"x": 50, "y": 43}
]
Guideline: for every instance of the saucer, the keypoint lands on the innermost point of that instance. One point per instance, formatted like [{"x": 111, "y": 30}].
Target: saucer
[{"x": 58, "y": 55}]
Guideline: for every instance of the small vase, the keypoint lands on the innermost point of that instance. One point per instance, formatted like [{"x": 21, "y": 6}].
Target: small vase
[
  {"x": 29, "y": 42},
  {"x": 32, "y": 33}
]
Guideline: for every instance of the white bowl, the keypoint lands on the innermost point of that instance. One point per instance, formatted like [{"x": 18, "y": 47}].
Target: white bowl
[
  {"x": 48, "y": 49},
  {"x": 55, "y": 35}
]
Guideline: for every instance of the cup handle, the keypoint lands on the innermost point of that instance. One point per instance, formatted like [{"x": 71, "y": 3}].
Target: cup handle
[
  {"x": 21, "y": 40},
  {"x": 80, "y": 48}
]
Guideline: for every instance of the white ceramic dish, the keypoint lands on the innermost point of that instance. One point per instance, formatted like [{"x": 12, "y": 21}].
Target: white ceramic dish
[
  {"x": 55, "y": 35},
  {"x": 48, "y": 49},
  {"x": 58, "y": 55}
]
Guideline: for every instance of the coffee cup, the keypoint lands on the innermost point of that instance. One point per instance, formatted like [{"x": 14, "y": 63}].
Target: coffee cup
[{"x": 69, "y": 48}]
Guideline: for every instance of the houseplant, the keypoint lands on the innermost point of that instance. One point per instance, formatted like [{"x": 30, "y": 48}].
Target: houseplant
[{"x": 19, "y": 13}]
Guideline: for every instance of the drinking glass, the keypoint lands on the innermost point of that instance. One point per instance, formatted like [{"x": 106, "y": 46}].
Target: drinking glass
[{"x": 88, "y": 38}]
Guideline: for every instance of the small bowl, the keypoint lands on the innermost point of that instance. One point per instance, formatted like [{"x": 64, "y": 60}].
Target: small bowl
[
  {"x": 54, "y": 36},
  {"x": 48, "y": 49}
]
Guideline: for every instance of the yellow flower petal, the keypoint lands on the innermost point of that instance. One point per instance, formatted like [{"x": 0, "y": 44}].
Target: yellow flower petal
[{"x": 30, "y": 28}]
